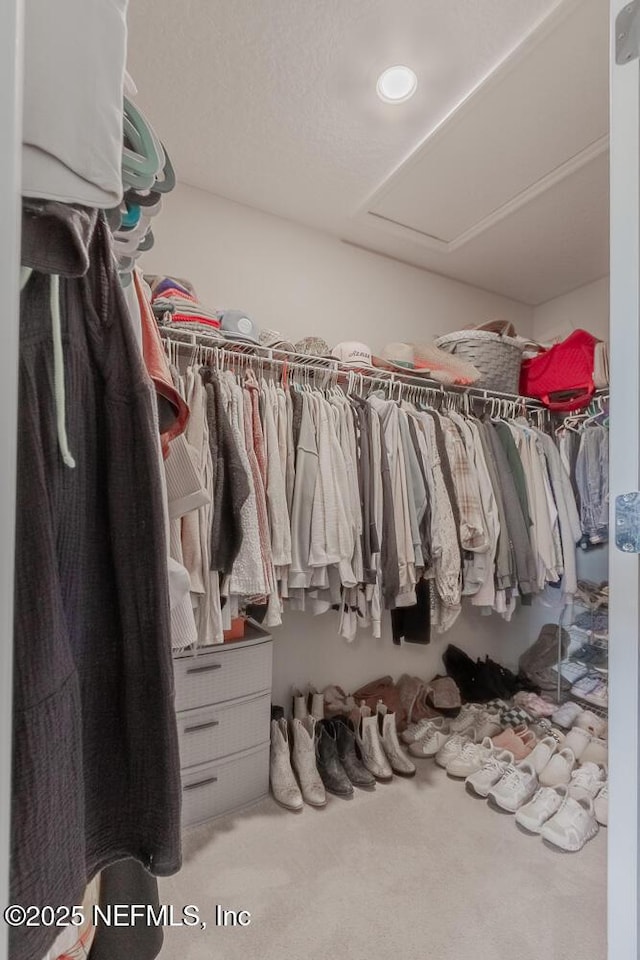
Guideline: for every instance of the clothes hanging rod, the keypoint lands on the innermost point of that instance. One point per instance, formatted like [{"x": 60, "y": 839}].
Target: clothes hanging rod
[{"x": 304, "y": 362}]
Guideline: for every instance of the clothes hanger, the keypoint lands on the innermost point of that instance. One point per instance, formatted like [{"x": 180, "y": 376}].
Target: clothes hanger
[{"x": 145, "y": 158}]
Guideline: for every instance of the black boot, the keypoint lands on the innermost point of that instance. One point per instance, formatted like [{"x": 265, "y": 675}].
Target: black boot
[
  {"x": 346, "y": 744},
  {"x": 329, "y": 767}
]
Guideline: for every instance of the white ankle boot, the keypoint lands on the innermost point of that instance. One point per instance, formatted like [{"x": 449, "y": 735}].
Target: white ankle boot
[
  {"x": 303, "y": 759},
  {"x": 370, "y": 746},
  {"x": 397, "y": 758},
  {"x": 284, "y": 787},
  {"x": 299, "y": 705}
]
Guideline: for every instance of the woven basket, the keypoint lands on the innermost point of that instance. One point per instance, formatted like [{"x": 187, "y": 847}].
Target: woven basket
[{"x": 492, "y": 350}]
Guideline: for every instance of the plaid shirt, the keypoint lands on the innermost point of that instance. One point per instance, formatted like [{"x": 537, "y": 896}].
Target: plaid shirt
[{"x": 473, "y": 533}]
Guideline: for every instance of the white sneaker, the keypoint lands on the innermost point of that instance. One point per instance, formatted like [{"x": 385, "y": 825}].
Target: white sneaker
[
  {"x": 466, "y": 718},
  {"x": 490, "y": 772},
  {"x": 470, "y": 759},
  {"x": 546, "y": 802},
  {"x": 577, "y": 740},
  {"x": 559, "y": 768},
  {"x": 487, "y": 725},
  {"x": 416, "y": 731},
  {"x": 587, "y": 781},
  {"x": 542, "y": 753},
  {"x": 601, "y": 805},
  {"x": 590, "y": 722},
  {"x": 429, "y": 745},
  {"x": 572, "y": 825},
  {"x": 450, "y": 750},
  {"x": 518, "y": 785},
  {"x": 596, "y": 752}
]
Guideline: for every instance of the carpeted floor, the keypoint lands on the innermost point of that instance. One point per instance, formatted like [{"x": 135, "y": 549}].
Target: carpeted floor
[{"x": 419, "y": 868}]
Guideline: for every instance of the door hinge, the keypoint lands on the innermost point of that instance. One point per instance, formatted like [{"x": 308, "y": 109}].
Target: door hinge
[
  {"x": 628, "y": 522},
  {"x": 628, "y": 33}
]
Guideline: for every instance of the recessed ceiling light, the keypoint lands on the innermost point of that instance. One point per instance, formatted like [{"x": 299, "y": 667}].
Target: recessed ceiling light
[{"x": 396, "y": 84}]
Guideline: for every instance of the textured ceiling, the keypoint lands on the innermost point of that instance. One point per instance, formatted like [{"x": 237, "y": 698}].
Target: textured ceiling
[{"x": 273, "y": 105}]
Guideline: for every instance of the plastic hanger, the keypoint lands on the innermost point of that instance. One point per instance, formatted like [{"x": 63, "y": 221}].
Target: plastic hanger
[{"x": 144, "y": 158}]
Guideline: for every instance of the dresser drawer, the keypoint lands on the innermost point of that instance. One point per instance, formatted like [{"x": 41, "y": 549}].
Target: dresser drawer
[
  {"x": 212, "y": 732},
  {"x": 220, "y": 675},
  {"x": 213, "y": 789}
]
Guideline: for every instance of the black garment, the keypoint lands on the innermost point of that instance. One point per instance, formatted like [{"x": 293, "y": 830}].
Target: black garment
[
  {"x": 413, "y": 624},
  {"x": 95, "y": 752},
  {"x": 229, "y": 480},
  {"x": 127, "y": 882},
  {"x": 369, "y": 536}
]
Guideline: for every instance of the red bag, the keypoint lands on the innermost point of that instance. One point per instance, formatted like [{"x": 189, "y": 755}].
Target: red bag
[{"x": 562, "y": 377}]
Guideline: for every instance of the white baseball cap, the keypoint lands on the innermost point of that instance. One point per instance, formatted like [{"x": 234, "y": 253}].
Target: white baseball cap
[{"x": 352, "y": 354}]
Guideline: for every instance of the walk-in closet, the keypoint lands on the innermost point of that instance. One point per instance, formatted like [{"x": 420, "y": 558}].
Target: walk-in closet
[{"x": 320, "y": 514}]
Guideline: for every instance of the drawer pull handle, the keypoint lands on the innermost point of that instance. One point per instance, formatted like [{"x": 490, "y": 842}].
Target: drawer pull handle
[
  {"x": 200, "y": 783},
  {"x": 206, "y": 667},
  {"x": 202, "y": 726}
]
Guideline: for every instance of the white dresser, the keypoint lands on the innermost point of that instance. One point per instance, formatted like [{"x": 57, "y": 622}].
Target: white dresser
[{"x": 223, "y": 706}]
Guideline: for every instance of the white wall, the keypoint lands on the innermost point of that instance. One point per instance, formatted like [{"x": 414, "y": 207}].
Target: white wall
[
  {"x": 303, "y": 282},
  {"x": 586, "y": 308}
]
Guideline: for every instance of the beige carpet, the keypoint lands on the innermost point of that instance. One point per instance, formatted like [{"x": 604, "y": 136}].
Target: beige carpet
[{"x": 417, "y": 869}]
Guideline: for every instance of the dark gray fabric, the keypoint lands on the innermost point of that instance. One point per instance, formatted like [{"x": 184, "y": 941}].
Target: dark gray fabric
[
  {"x": 127, "y": 882},
  {"x": 515, "y": 462},
  {"x": 369, "y": 536},
  {"x": 526, "y": 568},
  {"x": 390, "y": 572},
  {"x": 95, "y": 752},
  {"x": 425, "y": 523},
  {"x": 229, "y": 481},
  {"x": 505, "y": 561}
]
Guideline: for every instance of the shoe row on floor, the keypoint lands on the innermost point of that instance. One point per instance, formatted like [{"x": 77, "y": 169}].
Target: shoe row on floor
[
  {"x": 556, "y": 785},
  {"x": 527, "y": 755},
  {"x": 312, "y": 756}
]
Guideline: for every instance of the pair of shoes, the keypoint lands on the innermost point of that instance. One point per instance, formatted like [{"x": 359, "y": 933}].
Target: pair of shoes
[
  {"x": 591, "y": 722},
  {"x": 453, "y": 747},
  {"x": 380, "y": 749},
  {"x": 337, "y": 760},
  {"x": 566, "y": 715},
  {"x": 565, "y": 819},
  {"x": 534, "y": 705},
  {"x": 572, "y": 824},
  {"x": 517, "y": 785},
  {"x": 559, "y": 768},
  {"x": 431, "y": 738},
  {"x": 586, "y": 685},
  {"x": 587, "y": 781},
  {"x": 586, "y": 747},
  {"x": 519, "y": 741},
  {"x": 311, "y": 704},
  {"x": 471, "y": 758},
  {"x": 491, "y": 771},
  {"x": 323, "y": 757},
  {"x": 288, "y": 791}
]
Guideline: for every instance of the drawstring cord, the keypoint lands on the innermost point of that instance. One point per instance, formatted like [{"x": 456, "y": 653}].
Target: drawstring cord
[
  {"x": 58, "y": 372},
  {"x": 58, "y": 362}
]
